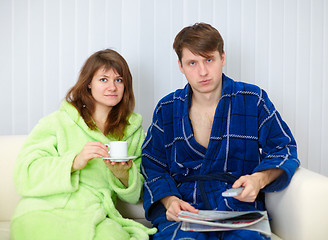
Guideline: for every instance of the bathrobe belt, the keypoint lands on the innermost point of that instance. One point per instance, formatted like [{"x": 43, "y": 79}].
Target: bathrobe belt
[{"x": 224, "y": 177}]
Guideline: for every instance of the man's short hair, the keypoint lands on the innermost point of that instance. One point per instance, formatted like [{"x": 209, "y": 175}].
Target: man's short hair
[{"x": 200, "y": 39}]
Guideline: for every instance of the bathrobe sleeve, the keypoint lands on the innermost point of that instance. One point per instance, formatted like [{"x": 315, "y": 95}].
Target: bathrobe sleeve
[
  {"x": 39, "y": 169},
  {"x": 131, "y": 193},
  {"x": 277, "y": 144},
  {"x": 158, "y": 182},
  {"x": 135, "y": 142}
]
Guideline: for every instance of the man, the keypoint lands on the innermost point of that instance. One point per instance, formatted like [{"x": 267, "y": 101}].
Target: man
[{"x": 210, "y": 136}]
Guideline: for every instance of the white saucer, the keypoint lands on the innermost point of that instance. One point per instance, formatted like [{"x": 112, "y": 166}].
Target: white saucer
[{"x": 121, "y": 159}]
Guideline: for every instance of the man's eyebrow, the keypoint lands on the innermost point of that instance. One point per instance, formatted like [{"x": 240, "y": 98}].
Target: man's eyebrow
[{"x": 210, "y": 56}]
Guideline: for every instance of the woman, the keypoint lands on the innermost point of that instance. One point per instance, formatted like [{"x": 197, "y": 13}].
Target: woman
[{"x": 68, "y": 191}]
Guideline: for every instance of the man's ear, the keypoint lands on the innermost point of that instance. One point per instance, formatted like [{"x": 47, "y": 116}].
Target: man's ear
[
  {"x": 223, "y": 58},
  {"x": 180, "y": 67}
]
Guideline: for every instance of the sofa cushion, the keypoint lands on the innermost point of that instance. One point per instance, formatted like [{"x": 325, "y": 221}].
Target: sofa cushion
[
  {"x": 133, "y": 211},
  {"x": 4, "y": 230}
]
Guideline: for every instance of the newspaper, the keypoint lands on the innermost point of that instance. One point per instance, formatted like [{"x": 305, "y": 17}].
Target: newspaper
[{"x": 211, "y": 220}]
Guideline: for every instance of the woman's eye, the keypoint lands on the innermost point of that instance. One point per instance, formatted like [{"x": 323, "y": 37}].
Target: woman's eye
[
  {"x": 119, "y": 80},
  {"x": 103, "y": 80}
]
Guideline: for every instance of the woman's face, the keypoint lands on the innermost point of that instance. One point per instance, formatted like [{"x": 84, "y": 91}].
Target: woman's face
[{"x": 107, "y": 89}]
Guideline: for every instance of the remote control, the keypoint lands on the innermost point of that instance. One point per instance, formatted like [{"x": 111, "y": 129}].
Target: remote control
[{"x": 232, "y": 192}]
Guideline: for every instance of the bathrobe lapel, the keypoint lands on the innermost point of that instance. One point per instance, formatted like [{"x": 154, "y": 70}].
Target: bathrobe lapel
[{"x": 216, "y": 155}]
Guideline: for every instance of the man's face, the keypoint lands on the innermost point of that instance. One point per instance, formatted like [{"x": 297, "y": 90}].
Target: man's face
[{"x": 203, "y": 74}]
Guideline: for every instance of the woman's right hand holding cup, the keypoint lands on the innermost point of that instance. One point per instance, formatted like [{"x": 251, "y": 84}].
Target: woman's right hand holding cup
[{"x": 90, "y": 150}]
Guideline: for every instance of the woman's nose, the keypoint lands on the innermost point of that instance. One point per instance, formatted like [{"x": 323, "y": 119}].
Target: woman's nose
[{"x": 112, "y": 85}]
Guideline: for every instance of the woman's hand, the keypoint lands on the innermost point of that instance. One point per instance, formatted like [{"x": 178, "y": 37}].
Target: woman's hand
[
  {"x": 120, "y": 170},
  {"x": 90, "y": 150}
]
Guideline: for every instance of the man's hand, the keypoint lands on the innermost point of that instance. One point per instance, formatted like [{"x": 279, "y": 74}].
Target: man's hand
[
  {"x": 174, "y": 205},
  {"x": 254, "y": 183},
  {"x": 251, "y": 185}
]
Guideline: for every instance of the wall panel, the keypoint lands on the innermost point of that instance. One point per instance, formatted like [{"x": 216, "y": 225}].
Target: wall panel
[
  {"x": 302, "y": 108},
  {"x": 81, "y": 34},
  {"x": 51, "y": 53},
  {"x": 6, "y": 72},
  {"x": 324, "y": 137},
  {"x": 276, "y": 52},
  {"x": 315, "y": 87},
  {"x": 146, "y": 77},
  {"x": 20, "y": 65},
  {"x": 233, "y": 39},
  {"x": 262, "y": 44},
  {"x": 66, "y": 46},
  {"x": 162, "y": 42},
  {"x": 35, "y": 60},
  {"x": 289, "y": 59},
  {"x": 248, "y": 43}
]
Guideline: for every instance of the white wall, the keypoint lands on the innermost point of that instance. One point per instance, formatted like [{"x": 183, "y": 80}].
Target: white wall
[{"x": 280, "y": 45}]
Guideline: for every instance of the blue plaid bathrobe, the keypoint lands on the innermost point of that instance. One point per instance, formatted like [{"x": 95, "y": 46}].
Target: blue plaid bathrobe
[{"x": 248, "y": 135}]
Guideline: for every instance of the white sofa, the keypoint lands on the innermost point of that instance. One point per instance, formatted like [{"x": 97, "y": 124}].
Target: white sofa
[{"x": 299, "y": 212}]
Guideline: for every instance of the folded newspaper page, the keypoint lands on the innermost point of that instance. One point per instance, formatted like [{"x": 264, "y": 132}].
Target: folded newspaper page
[
  {"x": 213, "y": 215},
  {"x": 211, "y": 220}
]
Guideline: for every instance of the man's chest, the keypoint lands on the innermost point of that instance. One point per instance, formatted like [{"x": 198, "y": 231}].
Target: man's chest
[{"x": 202, "y": 122}]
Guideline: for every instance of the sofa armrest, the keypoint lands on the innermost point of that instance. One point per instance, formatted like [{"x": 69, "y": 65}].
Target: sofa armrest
[
  {"x": 9, "y": 148},
  {"x": 300, "y": 211}
]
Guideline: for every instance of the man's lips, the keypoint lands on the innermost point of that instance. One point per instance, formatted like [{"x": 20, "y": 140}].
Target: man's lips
[{"x": 205, "y": 81}]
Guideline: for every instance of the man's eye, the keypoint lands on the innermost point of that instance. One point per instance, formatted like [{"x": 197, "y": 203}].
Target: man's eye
[
  {"x": 209, "y": 60},
  {"x": 192, "y": 63}
]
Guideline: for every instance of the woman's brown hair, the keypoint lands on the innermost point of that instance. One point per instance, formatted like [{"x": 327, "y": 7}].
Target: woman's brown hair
[
  {"x": 80, "y": 95},
  {"x": 200, "y": 39}
]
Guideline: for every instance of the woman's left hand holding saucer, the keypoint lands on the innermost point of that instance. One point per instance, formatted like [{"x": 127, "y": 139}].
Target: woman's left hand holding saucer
[{"x": 120, "y": 169}]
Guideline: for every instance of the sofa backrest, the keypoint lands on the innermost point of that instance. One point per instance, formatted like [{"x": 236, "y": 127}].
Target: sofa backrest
[{"x": 9, "y": 147}]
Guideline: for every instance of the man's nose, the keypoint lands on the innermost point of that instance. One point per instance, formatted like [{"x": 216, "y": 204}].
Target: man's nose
[{"x": 202, "y": 69}]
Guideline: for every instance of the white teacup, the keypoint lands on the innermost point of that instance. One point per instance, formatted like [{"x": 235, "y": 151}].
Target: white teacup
[{"x": 118, "y": 149}]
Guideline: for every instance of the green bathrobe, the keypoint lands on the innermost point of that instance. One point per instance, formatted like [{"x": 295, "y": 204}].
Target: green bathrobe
[{"x": 58, "y": 204}]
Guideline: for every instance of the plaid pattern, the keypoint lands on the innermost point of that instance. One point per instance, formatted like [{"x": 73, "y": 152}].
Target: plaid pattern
[{"x": 248, "y": 135}]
